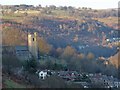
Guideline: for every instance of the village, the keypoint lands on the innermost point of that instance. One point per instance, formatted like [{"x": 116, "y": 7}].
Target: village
[
  {"x": 84, "y": 80},
  {"x": 59, "y": 47}
]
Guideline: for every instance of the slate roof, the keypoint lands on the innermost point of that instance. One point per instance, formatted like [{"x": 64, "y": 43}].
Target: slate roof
[{"x": 21, "y": 48}]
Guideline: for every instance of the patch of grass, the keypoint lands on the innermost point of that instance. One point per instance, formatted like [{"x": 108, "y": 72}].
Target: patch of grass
[
  {"x": 12, "y": 16},
  {"x": 113, "y": 20},
  {"x": 12, "y": 84},
  {"x": 8, "y": 17}
]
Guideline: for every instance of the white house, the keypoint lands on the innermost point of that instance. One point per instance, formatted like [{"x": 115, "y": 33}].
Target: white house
[{"x": 42, "y": 74}]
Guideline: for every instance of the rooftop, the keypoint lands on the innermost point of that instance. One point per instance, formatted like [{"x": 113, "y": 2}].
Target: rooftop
[{"x": 21, "y": 48}]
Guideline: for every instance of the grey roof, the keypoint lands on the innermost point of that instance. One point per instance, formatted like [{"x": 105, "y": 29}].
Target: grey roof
[{"x": 21, "y": 48}]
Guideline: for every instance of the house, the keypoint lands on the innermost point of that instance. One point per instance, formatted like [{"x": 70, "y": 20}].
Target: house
[
  {"x": 22, "y": 52},
  {"x": 68, "y": 75},
  {"x": 42, "y": 74},
  {"x": 45, "y": 73}
]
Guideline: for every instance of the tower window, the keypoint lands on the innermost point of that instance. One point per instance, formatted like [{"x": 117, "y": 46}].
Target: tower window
[{"x": 33, "y": 39}]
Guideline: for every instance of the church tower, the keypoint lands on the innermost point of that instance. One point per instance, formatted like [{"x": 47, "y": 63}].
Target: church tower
[{"x": 32, "y": 45}]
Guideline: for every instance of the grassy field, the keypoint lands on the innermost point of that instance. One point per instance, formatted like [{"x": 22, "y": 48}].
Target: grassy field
[
  {"x": 8, "y": 17},
  {"x": 12, "y": 84},
  {"x": 112, "y": 20}
]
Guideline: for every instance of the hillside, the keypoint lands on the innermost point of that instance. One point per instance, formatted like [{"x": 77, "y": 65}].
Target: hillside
[
  {"x": 60, "y": 26},
  {"x": 115, "y": 59}
]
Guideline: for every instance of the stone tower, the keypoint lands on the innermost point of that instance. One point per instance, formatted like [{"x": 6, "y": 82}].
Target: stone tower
[{"x": 32, "y": 45}]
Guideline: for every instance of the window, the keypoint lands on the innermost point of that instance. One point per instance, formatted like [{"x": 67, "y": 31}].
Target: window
[{"x": 33, "y": 39}]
